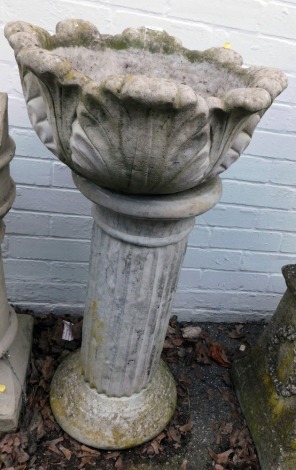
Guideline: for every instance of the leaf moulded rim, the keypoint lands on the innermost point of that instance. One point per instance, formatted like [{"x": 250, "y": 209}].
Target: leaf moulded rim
[{"x": 34, "y": 47}]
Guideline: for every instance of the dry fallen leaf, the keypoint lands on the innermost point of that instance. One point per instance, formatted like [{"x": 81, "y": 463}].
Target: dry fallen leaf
[
  {"x": 47, "y": 368},
  {"x": 217, "y": 353},
  {"x": 37, "y": 424},
  {"x": 184, "y": 465},
  {"x": 156, "y": 447},
  {"x": 17, "y": 441},
  {"x": 182, "y": 390},
  {"x": 177, "y": 341},
  {"x": 112, "y": 455},
  {"x": 119, "y": 464},
  {"x": 53, "y": 441},
  {"x": 54, "y": 449},
  {"x": 22, "y": 457},
  {"x": 67, "y": 453},
  {"x": 227, "y": 428},
  {"x": 221, "y": 458},
  {"x": 186, "y": 427},
  {"x": 19, "y": 467},
  {"x": 236, "y": 333},
  {"x": 6, "y": 444},
  {"x": 202, "y": 353},
  {"x": 172, "y": 358},
  {"x": 173, "y": 321},
  {"x": 174, "y": 434},
  {"x": 85, "y": 461},
  {"x": 160, "y": 437},
  {"x": 89, "y": 450}
]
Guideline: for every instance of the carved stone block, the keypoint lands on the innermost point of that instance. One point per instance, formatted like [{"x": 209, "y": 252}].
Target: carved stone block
[
  {"x": 265, "y": 382},
  {"x": 15, "y": 331}
]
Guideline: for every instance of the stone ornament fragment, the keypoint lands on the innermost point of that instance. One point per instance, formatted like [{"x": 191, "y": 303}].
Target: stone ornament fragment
[
  {"x": 265, "y": 381},
  {"x": 145, "y": 126},
  {"x": 15, "y": 330}
]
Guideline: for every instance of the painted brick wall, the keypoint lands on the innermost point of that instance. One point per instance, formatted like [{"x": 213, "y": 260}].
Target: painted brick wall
[{"x": 232, "y": 269}]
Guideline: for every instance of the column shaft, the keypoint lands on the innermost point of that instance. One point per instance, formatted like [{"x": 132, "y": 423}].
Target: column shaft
[{"x": 134, "y": 271}]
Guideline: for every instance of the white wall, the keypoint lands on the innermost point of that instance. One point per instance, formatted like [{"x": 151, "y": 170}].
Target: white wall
[{"x": 232, "y": 269}]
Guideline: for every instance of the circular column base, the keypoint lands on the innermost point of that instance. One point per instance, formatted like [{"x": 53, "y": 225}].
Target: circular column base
[{"x": 110, "y": 422}]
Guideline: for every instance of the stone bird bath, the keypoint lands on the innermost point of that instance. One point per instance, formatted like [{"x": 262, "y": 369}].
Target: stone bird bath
[{"x": 145, "y": 126}]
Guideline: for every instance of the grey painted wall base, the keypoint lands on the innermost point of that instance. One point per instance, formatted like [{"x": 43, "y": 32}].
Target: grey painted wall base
[
  {"x": 13, "y": 369},
  {"x": 265, "y": 382}
]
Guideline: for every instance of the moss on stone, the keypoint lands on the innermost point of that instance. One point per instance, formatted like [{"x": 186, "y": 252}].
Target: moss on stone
[{"x": 270, "y": 414}]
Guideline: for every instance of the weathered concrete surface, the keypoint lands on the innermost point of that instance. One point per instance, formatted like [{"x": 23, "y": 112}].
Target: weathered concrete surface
[
  {"x": 110, "y": 422},
  {"x": 265, "y": 382},
  {"x": 7, "y": 196},
  {"x": 15, "y": 343},
  {"x": 13, "y": 370}
]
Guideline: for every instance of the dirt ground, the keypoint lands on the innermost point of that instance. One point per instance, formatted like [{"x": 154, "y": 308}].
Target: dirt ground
[{"x": 208, "y": 421}]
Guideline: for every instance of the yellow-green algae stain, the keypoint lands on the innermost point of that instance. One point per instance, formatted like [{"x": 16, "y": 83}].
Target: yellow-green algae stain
[
  {"x": 285, "y": 365},
  {"x": 270, "y": 417},
  {"x": 275, "y": 402},
  {"x": 97, "y": 324}
]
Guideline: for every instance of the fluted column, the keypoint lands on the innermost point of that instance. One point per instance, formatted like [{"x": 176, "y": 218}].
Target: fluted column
[
  {"x": 15, "y": 331},
  {"x": 134, "y": 270},
  {"x": 138, "y": 246}
]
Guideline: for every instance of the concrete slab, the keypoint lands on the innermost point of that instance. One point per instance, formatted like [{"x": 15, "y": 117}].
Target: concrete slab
[{"x": 13, "y": 371}]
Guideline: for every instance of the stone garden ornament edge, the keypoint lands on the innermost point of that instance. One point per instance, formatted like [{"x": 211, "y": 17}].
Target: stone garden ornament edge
[
  {"x": 15, "y": 330},
  {"x": 145, "y": 139}
]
